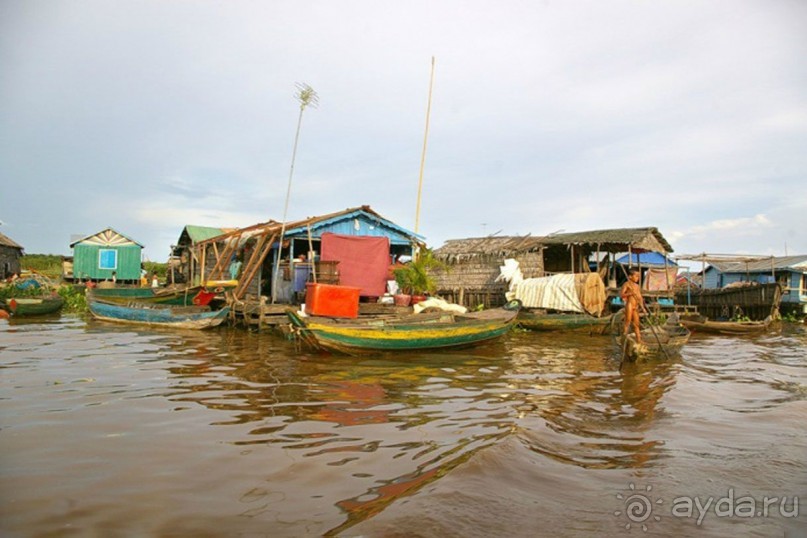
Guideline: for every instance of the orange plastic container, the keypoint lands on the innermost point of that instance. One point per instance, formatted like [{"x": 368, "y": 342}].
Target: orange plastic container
[{"x": 331, "y": 300}]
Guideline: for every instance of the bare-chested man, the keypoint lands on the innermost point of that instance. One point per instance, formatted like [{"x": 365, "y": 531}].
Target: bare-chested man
[{"x": 631, "y": 295}]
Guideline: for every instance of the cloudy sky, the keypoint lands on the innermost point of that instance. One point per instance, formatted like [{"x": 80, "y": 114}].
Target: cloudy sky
[{"x": 546, "y": 115}]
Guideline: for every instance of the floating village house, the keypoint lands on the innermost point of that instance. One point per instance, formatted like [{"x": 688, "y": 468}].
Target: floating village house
[
  {"x": 790, "y": 272},
  {"x": 471, "y": 277},
  {"x": 353, "y": 247},
  {"x": 184, "y": 263},
  {"x": 97, "y": 256},
  {"x": 10, "y": 254}
]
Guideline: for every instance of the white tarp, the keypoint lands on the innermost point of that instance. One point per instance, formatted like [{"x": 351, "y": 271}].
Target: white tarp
[
  {"x": 557, "y": 292},
  {"x": 566, "y": 292}
]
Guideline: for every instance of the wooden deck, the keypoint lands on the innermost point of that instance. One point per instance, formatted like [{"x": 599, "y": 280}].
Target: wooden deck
[{"x": 260, "y": 313}]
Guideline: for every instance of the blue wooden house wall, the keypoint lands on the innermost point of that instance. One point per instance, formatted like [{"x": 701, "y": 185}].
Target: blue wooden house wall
[{"x": 793, "y": 279}]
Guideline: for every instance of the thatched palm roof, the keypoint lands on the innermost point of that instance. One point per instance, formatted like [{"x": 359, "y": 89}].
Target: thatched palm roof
[
  {"x": 455, "y": 250},
  {"x": 617, "y": 240},
  {"x": 6, "y": 241}
]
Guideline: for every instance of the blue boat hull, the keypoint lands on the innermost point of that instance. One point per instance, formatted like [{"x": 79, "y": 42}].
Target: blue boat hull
[{"x": 158, "y": 315}]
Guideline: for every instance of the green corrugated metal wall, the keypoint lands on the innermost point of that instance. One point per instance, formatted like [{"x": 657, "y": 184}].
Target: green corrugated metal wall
[{"x": 85, "y": 262}]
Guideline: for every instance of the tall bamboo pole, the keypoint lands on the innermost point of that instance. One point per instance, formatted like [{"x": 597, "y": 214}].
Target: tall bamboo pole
[
  {"x": 423, "y": 155},
  {"x": 307, "y": 96}
]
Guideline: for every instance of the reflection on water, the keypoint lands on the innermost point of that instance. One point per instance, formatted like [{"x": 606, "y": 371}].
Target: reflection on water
[{"x": 109, "y": 429}]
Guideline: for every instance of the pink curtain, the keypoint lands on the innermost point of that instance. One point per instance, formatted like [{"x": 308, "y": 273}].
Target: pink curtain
[
  {"x": 656, "y": 279},
  {"x": 363, "y": 261}
]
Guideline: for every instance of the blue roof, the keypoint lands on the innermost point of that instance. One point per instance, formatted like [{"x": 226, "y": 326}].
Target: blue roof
[
  {"x": 646, "y": 259},
  {"x": 357, "y": 221}
]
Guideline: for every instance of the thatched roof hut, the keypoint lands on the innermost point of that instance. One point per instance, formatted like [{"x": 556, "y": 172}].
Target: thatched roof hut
[
  {"x": 10, "y": 254},
  {"x": 473, "y": 263}
]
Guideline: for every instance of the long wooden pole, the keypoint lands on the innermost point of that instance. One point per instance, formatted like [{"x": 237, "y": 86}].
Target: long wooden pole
[{"x": 423, "y": 155}]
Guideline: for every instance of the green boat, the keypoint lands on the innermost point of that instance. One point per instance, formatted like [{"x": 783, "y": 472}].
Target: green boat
[
  {"x": 33, "y": 306},
  {"x": 410, "y": 333},
  {"x": 177, "y": 296},
  {"x": 564, "y": 321}
]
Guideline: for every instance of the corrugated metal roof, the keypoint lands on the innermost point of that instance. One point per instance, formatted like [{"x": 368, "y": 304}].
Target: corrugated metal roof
[
  {"x": 300, "y": 227},
  {"x": 106, "y": 231},
  {"x": 797, "y": 263},
  {"x": 200, "y": 233},
  {"x": 7, "y": 242}
]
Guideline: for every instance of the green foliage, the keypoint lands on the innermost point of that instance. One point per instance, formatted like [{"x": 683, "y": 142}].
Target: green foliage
[
  {"x": 154, "y": 267},
  {"x": 415, "y": 278},
  {"x": 792, "y": 317},
  {"x": 656, "y": 319},
  {"x": 47, "y": 264},
  {"x": 75, "y": 299},
  {"x": 8, "y": 291}
]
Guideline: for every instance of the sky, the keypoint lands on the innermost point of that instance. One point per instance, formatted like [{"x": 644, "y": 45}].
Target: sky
[{"x": 146, "y": 116}]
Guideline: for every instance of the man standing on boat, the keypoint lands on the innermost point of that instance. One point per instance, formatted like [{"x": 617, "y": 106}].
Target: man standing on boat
[{"x": 631, "y": 295}]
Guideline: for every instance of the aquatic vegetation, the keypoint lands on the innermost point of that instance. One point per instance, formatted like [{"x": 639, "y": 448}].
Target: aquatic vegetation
[{"x": 75, "y": 299}]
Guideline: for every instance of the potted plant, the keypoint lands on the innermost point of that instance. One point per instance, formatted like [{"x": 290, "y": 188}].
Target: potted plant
[{"x": 415, "y": 279}]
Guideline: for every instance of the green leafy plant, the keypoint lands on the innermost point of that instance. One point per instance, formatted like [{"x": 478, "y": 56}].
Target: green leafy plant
[
  {"x": 415, "y": 277},
  {"x": 74, "y": 299}
]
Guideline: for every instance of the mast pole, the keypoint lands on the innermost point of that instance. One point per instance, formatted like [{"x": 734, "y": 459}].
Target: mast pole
[{"x": 423, "y": 155}]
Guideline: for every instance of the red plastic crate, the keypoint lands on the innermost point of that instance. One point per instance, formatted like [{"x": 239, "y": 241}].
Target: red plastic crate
[{"x": 331, "y": 300}]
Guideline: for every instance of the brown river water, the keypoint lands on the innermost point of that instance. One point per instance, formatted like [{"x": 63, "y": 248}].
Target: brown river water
[{"x": 112, "y": 431}]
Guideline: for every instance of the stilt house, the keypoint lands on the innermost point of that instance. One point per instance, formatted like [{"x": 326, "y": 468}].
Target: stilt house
[
  {"x": 10, "y": 254},
  {"x": 473, "y": 264},
  {"x": 256, "y": 254},
  {"x": 97, "y": 256}
]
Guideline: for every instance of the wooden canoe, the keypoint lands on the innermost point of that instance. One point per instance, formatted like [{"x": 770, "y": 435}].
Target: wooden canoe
[
  {"x": 409, "y": 333},
  {"x": 658, "y": 341},
  {"x": 540, "y": 321},
  {"x": 180, "y": 317},
  {"x": 703, "y": 324},
  {"x": 181, "y": 295},
  {"x": 34, "y": 306}
]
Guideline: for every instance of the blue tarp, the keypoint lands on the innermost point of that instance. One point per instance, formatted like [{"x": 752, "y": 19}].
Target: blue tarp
[{"x": 646, "y": 259}]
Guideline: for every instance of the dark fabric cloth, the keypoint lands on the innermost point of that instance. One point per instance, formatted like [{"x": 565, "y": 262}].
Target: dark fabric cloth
[{"x": 363, "y": 261}]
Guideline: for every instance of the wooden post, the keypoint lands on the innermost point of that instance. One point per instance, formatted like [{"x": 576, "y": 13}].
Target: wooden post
[
  {"x": 571, "y": 249},
  {"x": 202, "y": 264},
  {"x": 242, "y": 286},
  {"x": 311, "y": 253}
]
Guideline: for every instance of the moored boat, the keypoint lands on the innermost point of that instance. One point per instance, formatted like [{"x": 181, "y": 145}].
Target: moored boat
[
  {"x": 182, "y": 295},
  {"x": 703, "y": 324},
  {"x": 416, "y": 332},
  {"x": 563, "y": 321},
  {"x": 160, "y": 315},
  {"x": 34, "y": 306}
]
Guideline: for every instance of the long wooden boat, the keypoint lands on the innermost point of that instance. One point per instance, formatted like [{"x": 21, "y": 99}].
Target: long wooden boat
[
  {"x": 409, "y": 333},
  {"x": 564, "y": 321},
  {"x": 703, "y": 324},
  {"x": 181, "y": 295},
  {"x": 34, "y": 306},
  {"x": 180, "y": 317},
  {"x": 659, "y": 341}
]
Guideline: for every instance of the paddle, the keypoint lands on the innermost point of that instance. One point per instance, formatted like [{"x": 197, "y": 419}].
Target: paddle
[{"x": 653, "y": 330}]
